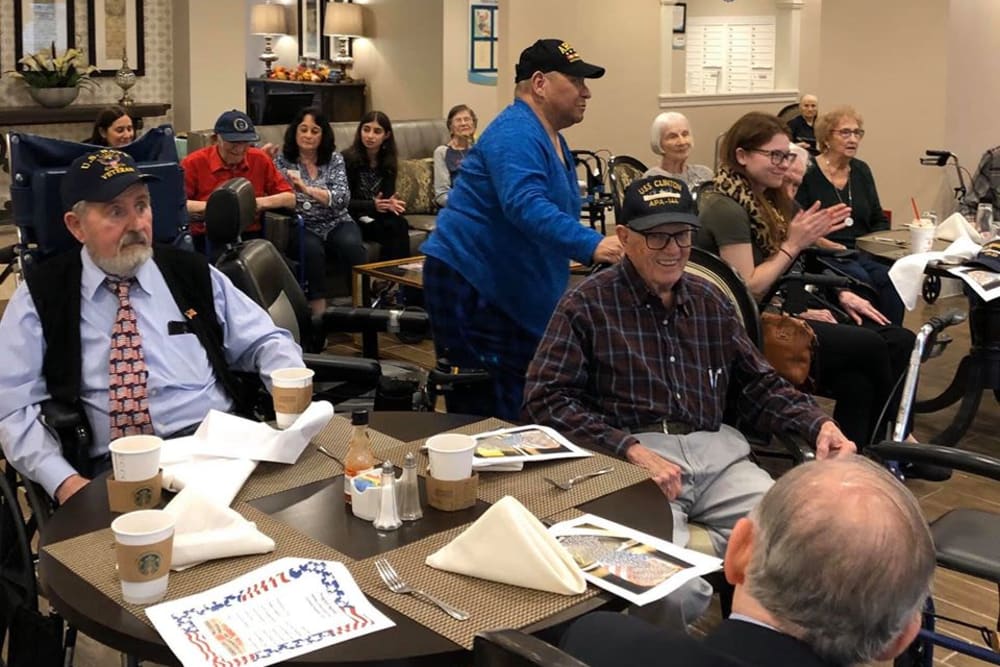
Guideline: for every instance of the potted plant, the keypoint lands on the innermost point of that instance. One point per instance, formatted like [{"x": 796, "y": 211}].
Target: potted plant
[{"x": 54, "y": 81}]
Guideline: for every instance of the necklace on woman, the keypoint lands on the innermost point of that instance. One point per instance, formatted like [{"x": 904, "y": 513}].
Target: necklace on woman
[{"x": 848, "y": 221}]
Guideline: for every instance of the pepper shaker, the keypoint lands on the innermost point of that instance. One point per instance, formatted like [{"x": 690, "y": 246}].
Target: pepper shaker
[
  {"x": 409, "y": 492},
  {"x": 388, "y": 515}
]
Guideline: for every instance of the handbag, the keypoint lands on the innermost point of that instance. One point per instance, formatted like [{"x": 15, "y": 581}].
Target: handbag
[{"x": 788, "y": 346}]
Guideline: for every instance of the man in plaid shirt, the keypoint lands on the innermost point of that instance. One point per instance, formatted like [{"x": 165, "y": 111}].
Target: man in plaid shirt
[{"x": 638, "y": 360}]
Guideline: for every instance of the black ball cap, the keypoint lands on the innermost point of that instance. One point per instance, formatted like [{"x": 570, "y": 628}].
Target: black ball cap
[
  {"x": 657, "y": 200},
  {"x": 100, "y": 177},
  {"x": 554, "y": 55}
]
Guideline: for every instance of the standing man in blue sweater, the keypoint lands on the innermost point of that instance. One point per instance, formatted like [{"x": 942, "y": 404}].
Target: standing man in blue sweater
[{"x": 498, "y": 260}]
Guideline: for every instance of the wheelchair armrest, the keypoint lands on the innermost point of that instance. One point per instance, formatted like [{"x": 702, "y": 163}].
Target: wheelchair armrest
[
  {"x": 494, "y": 648},
  {"x": 949, "y": 457},
  {"x": 330, "y": 368},
  {"x": 816, "y": 251},
  {"x": 58, "y": 415},
  {"x": 346, "y": 319}
]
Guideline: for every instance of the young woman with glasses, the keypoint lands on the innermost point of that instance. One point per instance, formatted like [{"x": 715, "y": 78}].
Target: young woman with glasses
[
  {"x": 840, "y": 177},
  {"x": 749, "y": 220}
]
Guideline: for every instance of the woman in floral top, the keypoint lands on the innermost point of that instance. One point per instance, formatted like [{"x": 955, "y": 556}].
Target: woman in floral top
[{"x": 309, "y": 161}]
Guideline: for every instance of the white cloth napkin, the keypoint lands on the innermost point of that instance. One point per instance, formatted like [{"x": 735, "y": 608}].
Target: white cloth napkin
[
  {"x": 206, "y": 529},
  {"x": 954, "y": 227},
  {"x": 508, "y": 544},
  {"x": 224, "y": 451},
  {"x": 907, "y": 273}
]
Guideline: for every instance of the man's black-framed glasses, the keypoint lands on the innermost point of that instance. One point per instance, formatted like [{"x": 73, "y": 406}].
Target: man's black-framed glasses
[
  {"x": 777, "y": 157},
  {"x": 659, "y": 240}
]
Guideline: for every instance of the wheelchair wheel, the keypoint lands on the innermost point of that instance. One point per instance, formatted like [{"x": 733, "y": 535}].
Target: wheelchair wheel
[{"x": 931, "y": 288}]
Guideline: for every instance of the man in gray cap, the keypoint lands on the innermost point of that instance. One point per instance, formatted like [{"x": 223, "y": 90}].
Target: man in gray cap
[
  {"x": 498, "y": 260},
  {"x": 637, "y": 362},
  {"x": 141, "y": 337},
  {"x": 230, "y": 156}
]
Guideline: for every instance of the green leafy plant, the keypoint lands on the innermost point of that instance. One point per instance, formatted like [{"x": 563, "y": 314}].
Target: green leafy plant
[{"x": 46, "y": 70}]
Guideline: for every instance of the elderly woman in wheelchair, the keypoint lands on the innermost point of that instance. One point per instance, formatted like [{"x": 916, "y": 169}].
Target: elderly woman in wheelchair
[{"x": 751, "y": 223}]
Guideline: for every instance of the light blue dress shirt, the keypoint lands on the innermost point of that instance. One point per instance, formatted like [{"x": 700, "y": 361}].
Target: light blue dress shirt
[{"x": 182, "y": 386}]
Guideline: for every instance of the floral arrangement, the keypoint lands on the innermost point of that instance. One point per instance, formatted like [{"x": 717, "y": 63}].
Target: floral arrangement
[
  {"x": 46, "y": 70},
  {"x": 300, "y": 73}
]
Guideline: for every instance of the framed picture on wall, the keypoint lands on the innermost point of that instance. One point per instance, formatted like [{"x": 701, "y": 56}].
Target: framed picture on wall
[
  {"x": 114, "y": 30},
  {"x": 312, "y": 42},
  {"x": 680, "y": 17},
  {"x": 40, "y": 23}
]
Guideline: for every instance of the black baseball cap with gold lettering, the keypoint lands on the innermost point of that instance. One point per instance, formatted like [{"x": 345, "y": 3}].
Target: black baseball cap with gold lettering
[
  {"x": 658, "y": 200},
  {"x": 554, "y": 55},
  {"x": 100, "y": 177}
]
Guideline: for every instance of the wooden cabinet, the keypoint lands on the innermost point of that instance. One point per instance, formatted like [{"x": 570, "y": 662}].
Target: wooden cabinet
[{"x": 339, "y": 101}]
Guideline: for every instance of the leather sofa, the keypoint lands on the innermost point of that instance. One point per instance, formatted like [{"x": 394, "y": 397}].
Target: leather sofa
[{"x": 415, "y": 141}]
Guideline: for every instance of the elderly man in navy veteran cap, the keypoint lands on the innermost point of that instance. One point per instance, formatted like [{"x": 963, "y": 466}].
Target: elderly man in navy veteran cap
[
  {"x": 142, "y": 337},
  {"x": 637, "y": 362}
]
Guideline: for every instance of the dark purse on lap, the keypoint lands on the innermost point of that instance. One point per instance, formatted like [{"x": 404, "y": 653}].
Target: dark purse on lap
[{"x": 788, "y": 346}]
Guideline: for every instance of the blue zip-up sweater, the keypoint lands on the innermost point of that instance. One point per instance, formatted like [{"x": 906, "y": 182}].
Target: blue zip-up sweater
[{"x": 513, "y": 219}]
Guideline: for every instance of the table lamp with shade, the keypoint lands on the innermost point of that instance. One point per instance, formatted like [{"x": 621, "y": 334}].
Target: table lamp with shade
[
  {"x": 268, "y": 20},
  {"x": 343, "y": 20}
]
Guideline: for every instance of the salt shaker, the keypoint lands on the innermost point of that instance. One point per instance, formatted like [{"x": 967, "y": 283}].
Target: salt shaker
[
  {"x": 388, "y": 516},
  {"x": 409, "y": 492}
]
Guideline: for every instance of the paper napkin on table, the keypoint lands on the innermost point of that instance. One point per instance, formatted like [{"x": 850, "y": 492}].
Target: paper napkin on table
[
  {"x": 954, "y": 227},
  {"x": 907, "y": 273},
  {"x": 218, "y": 479},
  {"x": 205, "y": 530},
  {"x": 508, "y": 544}
]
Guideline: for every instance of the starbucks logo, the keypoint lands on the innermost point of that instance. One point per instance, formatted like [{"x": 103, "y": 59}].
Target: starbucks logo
[
  {"x": 143, "y": 497},
  {"x": 149, "y": 563}
]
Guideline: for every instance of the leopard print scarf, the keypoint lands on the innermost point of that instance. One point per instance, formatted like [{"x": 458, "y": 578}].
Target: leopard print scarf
[{"x": 768, "y": 226}]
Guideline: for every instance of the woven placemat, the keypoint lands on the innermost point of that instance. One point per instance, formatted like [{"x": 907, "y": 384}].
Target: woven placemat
[
  {"x": 92, "y": 558},
  {"x": 312, "y": 466},
  {"x": 529, "y": 486},
  {"x": 490, "y": 605}
]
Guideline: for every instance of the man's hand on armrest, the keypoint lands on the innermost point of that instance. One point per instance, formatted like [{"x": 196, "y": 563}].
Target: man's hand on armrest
[
  {"x": 69, "y": 486},
  {"x": 831, "y": 442},
  {"x": 666, "y": 475}
]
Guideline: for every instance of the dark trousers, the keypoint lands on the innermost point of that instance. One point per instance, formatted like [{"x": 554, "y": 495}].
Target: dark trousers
[
  {"x": 876, "y": 274},
  {"x": 343, "y": 244},
  {"x": 390, "y": 231},
  {"x": 859, "y": 366},
  {"x": 472, "y": 333}
]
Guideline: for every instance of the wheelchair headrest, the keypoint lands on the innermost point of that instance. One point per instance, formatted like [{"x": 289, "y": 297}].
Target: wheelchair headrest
[{"x": 230, "y": 209}]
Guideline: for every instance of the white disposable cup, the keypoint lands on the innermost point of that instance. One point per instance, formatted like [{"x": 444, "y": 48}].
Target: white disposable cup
[
  {"x": 451, "y": 456},
  {"x": 921, "y": 237},
  {"x": 292, "y": 391},
  {"x": 146, "y": 528},
  {"x": 135, "y": 457}
]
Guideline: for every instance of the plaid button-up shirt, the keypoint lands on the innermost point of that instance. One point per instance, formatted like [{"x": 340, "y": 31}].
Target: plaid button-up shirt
[{"x": 615, "y": 358}]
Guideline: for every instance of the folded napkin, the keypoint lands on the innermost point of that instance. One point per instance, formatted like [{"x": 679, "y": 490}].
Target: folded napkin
[
  {"x": 907, "y": 273},
  {"x": 508, "y": 544},
  {"x": 954, "y": 227},
  {"x": 217, "y": 479},
  {"x": 206, "y": 529}
]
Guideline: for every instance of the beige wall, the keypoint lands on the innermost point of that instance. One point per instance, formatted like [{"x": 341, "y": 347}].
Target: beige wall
[
  {"x": 972, "y": 94},
  {"x": 402, "y": 60},
  {"x": 212, "y": 55},
  {"x": 896, "y": 78},
  {"x": 455, "y": 86}
]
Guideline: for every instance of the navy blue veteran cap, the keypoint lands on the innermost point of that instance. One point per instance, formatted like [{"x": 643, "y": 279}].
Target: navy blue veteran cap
[
  {"x": 554, "y": 55},
  {"x": 989, "y": 256},
  {"x": 657, "y": 200},
  {"x": 236, "y": 126},
  {"x": 100, "y": 177}
]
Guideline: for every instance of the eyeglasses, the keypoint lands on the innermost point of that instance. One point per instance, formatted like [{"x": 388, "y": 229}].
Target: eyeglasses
[
  {"x": 660, "y": 240},
  {"x": 847, "y": 132},
  {"x": 777, "y": 157}
]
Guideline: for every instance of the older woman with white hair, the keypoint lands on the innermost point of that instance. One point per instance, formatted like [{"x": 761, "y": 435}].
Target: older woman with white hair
[{"x": 671, "y": 139}]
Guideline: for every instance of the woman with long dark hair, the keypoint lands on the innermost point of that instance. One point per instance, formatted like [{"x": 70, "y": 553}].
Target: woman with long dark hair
[
  {"x": 371, "y": 163},
  {"x": 309, "y": 162},
  {"x": 749, "y": 220},
  {"x": 113, "y": 127}
]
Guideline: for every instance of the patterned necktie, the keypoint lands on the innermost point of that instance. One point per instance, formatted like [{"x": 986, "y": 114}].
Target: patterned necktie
[{"x": 128, "y": 406}]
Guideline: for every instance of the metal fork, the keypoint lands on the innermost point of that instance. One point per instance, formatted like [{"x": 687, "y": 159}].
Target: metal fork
[
  {"x": 568, "y": 484},
  {"x": 396, "y": 585}
]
